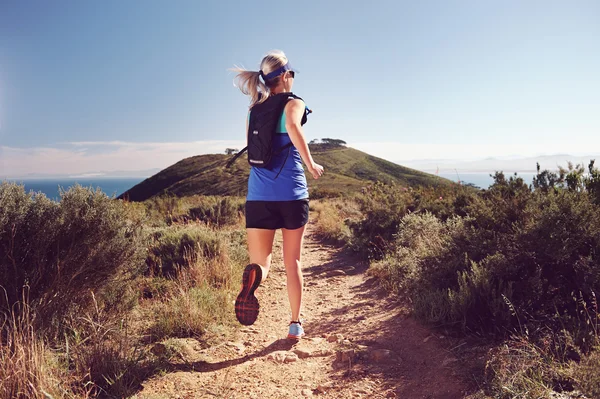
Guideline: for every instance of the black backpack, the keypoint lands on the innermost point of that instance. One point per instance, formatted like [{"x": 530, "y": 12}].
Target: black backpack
[{"x": 261, "y": 128}]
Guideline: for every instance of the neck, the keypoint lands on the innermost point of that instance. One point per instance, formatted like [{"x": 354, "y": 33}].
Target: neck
[{"x": 278, "y": 89}]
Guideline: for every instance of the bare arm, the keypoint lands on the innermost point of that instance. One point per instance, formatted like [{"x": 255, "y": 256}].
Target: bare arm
[{"x": 294, "y": 110}]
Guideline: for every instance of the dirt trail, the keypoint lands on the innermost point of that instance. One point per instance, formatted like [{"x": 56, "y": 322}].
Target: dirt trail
[{"x": 359, "y": 344}]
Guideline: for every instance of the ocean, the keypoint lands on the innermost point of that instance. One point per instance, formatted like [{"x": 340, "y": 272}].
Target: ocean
[
  {"x": 484, "y": 180},
  {"x": 111, "y": 186}
]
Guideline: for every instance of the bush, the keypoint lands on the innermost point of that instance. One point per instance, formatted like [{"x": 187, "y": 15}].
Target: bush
[
  {"x": 323, "y": 192},
  {"x": 56, "y": 253},
  {"x": 177, "y": 246},
  {"x": 330, "y": 220},
  {"x": 218, "y": 211},
  {"x": 421, "y": 241},
  {"x": 519, "y": 261},
  {"x": 213, "y": 210},
  {"x": 205, "y": 268},
  {"x": 382, "y": 207}
]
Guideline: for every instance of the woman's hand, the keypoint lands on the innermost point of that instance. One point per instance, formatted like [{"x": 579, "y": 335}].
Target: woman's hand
[{"x": 315, "y": 170}]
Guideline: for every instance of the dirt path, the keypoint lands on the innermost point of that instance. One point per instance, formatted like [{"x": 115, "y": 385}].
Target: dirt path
[{"x": 359, "y": 344}]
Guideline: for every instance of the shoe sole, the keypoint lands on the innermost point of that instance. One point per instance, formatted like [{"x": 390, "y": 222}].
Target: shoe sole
[{"x": 246, "y": 304}]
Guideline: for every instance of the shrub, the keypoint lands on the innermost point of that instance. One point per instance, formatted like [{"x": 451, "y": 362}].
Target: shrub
[
  {"x": 330, "y": 219},
  {"x": 218, "y": 211},
  {"x": 421, "y": 241},
  {"x": 382, "y": 207},
  {"x": 59, "y": 252},
  {"x": 324, "y": 192},
  {"x": 198, "y": 300},
  {"x": 176, "y": 246},
  {"x": 519, "y": 261},
  {"x": 213, "y": 210}
]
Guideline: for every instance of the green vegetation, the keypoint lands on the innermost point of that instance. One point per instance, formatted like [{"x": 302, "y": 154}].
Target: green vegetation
[
  {"x": 85, "y": 278},
  {"x": 510, "y": 261},
  {"x": 54, "y": 254},
  {"x": 347, "y": 171},
  {"x": 515, "y": 265}
]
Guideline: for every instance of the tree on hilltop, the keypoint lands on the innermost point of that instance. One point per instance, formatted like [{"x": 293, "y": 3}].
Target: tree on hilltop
[{"x": 334, "y": 142}]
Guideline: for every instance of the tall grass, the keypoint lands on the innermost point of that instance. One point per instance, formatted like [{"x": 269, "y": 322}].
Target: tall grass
[
  {"x": 332, "y": 218},
  {"x": 203, "y": 283},
  {"x": 29, "y": 368}
]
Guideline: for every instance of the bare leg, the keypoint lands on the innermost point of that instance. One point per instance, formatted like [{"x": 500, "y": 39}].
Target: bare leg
[
  {"x": 292, "y": 248},
  {"x": 260, "y": 248}
]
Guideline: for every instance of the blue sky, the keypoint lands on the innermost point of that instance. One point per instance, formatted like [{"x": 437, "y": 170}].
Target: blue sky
[{"x": 128, "y": 85}]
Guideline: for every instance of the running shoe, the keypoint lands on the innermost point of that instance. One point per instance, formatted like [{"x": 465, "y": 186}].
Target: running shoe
[
  {"x": 246, "y": 304},
  {"x": 296, "y": 331}
]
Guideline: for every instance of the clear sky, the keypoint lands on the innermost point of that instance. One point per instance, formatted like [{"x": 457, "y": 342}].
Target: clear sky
[{"x": 128, "y": 85}]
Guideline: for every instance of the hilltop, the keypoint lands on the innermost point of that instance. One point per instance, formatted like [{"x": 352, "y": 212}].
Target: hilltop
[{"x": 346, "y": 169}]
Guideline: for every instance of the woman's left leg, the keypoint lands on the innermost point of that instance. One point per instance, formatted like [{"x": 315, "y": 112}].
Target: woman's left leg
[{"x": 292, "y": 252}]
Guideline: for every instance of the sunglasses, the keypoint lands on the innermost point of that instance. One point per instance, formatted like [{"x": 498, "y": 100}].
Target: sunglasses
[{"x": 292, "y": 74}]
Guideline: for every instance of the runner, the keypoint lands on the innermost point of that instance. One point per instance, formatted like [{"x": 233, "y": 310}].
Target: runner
[{"x": 277, "y": 195}]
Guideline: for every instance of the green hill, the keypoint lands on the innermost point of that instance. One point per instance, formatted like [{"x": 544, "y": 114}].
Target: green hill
[{"x": 346, "y": 169}]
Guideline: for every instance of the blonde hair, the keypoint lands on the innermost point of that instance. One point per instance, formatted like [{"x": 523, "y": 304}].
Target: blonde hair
[{"x": 249, "y": 81}]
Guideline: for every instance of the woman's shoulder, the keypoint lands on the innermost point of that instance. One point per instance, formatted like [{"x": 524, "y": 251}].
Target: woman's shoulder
[{"x": 295, "y": 101}]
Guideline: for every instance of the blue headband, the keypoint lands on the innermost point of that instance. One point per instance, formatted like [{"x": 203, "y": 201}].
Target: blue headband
[{"x": 277, "y": 72}]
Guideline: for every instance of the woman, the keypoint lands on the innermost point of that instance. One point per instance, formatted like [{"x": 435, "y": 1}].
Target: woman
[{"x": 278, "y": 195}]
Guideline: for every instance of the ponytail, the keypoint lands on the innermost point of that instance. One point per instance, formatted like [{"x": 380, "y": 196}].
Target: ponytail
[{"x": 250, "y": 84}]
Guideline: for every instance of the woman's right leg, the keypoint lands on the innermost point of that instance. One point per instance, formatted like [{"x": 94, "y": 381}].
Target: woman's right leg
[
  {"x": 292, "y": 252},
  {"x": 260, "y": 248}
]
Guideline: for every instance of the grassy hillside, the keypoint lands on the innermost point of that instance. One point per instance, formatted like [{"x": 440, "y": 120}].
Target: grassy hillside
[{"x": 346, "y": 169}]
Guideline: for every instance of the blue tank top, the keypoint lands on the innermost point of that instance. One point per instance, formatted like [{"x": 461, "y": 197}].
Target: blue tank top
[{"x": 291, "y": 184}]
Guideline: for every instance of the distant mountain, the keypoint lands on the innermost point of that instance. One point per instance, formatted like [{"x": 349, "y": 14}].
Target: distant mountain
[
  {"x": 346, "y": 169},
  {"x": 490, "y": 165}
]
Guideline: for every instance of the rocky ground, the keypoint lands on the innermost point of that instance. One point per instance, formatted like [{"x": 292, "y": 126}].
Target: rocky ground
[{"x": 359, "y": 344}]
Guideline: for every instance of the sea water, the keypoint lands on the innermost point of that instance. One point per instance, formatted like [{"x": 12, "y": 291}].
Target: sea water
[
  {"x": 113, "y": 187},
  {"x": 484, "y": 180}
]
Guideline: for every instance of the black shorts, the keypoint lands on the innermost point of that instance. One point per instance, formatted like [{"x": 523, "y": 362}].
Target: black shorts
[{"x": 273, "y": 215}]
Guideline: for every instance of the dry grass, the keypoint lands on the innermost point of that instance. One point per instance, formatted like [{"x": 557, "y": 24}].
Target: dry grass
[
  {"x": 193, "y": 306},
  {"x": 105, "y": 353},
  {"x": 587, "y": 374},
  {"x": 198, "y": 298},
  {"x": 519, "y": 369},
  {"x": 331, "y": 216},
  {"x": 30, "y": 370}
]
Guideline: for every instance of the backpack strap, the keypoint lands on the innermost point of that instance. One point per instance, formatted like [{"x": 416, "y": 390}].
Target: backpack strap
[{"x": 235, "y": 157}]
